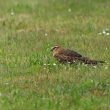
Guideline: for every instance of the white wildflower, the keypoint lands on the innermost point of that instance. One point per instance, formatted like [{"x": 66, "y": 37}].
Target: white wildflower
[
  {"x": 106, "y": 48},
  {"x": 54, "y": 64},
  {"x": 107, "y": 33},
  {"x": 69, "y": 10},
  {"x": 0, "y": 94},
  {"x": 92, "y": 81},
  {"x": 94, "y": 66},
  {"x": 104, "y": 32},
  {"x": 108, "y": 63},
  {"x": 6, "y": 83},
  {"x": 12, "y": 13},
  {"x": 46, "y": 34},
  {"x": 106, "y": 67}
]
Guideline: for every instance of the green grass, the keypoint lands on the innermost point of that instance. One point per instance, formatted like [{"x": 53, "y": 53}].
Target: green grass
[{"x": 29, "y": 78}]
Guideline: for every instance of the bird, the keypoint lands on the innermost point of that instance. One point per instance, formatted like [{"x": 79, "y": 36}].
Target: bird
[{"x": 69, "y": 56}]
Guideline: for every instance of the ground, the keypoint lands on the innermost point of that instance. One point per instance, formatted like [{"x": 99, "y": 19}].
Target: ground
[{"x": 30, "y": 78}]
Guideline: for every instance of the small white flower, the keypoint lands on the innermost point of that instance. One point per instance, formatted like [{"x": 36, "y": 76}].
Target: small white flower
[
  {"x": 54, "y": 64},
  {"x": 108, "y": 63},
  {"x": 107, "y": 34},
  {"x": 92, "y": 81},
  {"x": 106, "y": 48},
  {"x": 94, "y": 66},
  {"x": 12, "y": 13},
  {"x": 69, "y": 10},
  {"x": 45, "y": 64},
  {"x": 6, "y": 83},
  {"x": 104, "y": 32},
  {"x": 0, "y": 94},
  {"x": 46, "y": 34},
  {"x": 106, "y": 67}
]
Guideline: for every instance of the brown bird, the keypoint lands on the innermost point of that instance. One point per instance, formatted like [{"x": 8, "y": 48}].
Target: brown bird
[{"x": 70, "y": 56}]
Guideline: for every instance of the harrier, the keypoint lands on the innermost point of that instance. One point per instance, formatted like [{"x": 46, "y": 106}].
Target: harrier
[{"x": 70, "y": 56}]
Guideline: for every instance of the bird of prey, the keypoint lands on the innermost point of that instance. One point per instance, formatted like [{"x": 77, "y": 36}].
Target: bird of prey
[{"x": 70, "y": 56}]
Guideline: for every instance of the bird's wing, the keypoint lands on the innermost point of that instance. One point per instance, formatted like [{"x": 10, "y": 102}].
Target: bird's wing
[
  {"x": 63, "y": 58},
  {"x": 70, "y": 53}
]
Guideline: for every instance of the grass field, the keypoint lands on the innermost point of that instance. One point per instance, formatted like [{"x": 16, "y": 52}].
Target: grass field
[{"x": 30, "y": 78}]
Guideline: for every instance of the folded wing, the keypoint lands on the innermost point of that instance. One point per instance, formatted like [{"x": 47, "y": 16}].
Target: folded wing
[
  {"x": 66, "y": 55},
  {"x": 70, "y": 53}
]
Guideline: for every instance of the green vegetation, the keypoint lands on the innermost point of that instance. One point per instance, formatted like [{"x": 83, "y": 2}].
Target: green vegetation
[{"x": 30, "y": 78}]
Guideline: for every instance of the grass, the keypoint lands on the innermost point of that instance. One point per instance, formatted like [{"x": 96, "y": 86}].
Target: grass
[{"x": 30, "y": 78}]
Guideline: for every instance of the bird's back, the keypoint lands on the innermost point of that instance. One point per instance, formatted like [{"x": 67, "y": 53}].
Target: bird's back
[
  {"x": 70, "y": 53},
  {"x": 66, "y": 55}
]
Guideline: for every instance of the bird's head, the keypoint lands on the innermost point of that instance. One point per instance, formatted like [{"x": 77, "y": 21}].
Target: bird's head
[{"x": 55, "y": 47}]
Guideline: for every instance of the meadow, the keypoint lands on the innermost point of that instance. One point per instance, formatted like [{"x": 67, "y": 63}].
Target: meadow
[{"x": 30, "y": 78}]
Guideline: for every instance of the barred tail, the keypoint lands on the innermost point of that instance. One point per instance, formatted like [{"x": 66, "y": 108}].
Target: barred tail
[{"x": 86, "y": 60}]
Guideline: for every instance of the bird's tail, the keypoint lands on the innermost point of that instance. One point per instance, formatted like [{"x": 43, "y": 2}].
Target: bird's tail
[{"x": 86, "y": 60}]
